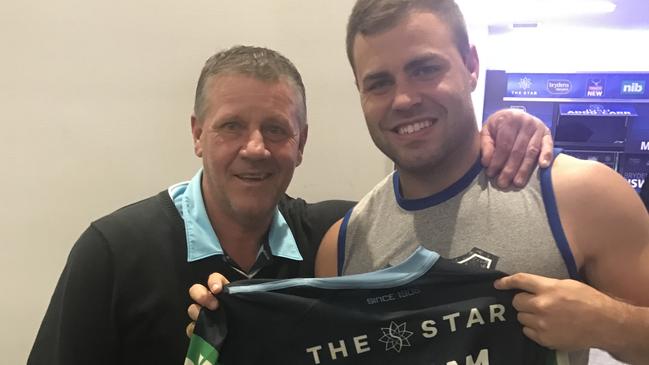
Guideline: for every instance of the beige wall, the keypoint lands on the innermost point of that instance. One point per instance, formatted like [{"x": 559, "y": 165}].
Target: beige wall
[{"x": 95, "y": 98}]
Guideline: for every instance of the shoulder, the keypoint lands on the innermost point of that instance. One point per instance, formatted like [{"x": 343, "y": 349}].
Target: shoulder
[
  {"x": 598, "y": 208},
  {"x": 160, "y": 203},
  {"x": 589, "y": 184},
  {"x": 379, "y": 198},
  {"x": 327, "y": 258},
  {"x": 150, "y": 225},
  {"x": 147, "y": 213}
]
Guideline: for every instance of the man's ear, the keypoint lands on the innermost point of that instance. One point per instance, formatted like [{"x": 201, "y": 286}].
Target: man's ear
[
  {"x": 304, "y": 133},
  {"x": 197, "y": 131},
  {"x": 472, "y": 63}
]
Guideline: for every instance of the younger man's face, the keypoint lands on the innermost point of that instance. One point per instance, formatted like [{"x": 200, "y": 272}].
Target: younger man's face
[{"x": 415, "y": 90}]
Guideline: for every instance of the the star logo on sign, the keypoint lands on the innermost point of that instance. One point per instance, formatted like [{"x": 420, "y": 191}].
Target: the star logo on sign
[
  {"x": 525, "y": 83},
  {"x": 395, "y": 337}
]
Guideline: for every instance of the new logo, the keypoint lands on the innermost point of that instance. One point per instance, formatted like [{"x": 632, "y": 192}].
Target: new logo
[{"x": 595, "y": 88}]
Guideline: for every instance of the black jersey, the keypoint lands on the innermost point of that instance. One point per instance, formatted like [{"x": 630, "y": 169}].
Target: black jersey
[{"x": 427, "y": 310}]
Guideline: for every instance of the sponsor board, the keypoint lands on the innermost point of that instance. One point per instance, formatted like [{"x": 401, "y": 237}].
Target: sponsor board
[
  {"x": 635, "y": 169},
  {"x": 597, "y": 110}
]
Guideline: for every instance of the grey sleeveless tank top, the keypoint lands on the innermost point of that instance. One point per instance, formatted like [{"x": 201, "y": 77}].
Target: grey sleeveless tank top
[{"x": 471, "y": 222}]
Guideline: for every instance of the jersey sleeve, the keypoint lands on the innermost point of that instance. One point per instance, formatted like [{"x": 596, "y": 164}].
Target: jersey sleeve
[{"x": 78, "y": 327}]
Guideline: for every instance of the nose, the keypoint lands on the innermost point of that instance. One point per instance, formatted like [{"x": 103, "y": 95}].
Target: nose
[
  {"x": 406, "y": 97},
  {"x": 255, "y": 148}
]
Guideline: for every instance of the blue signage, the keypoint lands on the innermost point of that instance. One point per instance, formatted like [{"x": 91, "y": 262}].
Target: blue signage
[
  {"x": 578, "y": 86},
  {"x": 607, "y": 158},
  {"x": 598, "y": 110},
  {"x": 638, "y": 136},
  {"x": 634, "y": 168},
  {"x": 595, "y": 116}
]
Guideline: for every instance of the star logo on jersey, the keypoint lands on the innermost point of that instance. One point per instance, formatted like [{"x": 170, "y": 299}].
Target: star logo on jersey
[{"x": 395, "y": 337}]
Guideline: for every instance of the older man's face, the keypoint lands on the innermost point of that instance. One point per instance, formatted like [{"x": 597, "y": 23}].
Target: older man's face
[{"x": 250, "y": 141}]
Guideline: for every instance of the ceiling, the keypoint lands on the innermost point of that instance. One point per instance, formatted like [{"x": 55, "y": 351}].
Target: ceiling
[{"x": 628, "y": 14}]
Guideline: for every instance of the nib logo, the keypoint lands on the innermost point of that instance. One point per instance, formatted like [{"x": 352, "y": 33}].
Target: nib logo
[{"x": 633, "y": 87}]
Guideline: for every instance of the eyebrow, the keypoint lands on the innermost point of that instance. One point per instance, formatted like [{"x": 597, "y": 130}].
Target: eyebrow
[
  {"x": 375, "y": 76},
  {"x": 412, "y": 64},
  {"x": 421, "y": 60}
]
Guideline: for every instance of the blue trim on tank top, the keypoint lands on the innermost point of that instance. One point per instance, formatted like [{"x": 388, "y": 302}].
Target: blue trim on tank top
[
  {"x": 411, "y": 269},
  {"x": 342, "y": 234},
  {"x": 437, "y": 198},
  {"x": 552, "y": 212}
]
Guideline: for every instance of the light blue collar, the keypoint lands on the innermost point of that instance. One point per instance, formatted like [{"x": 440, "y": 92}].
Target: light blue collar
[{"x": 201, "y": 239}]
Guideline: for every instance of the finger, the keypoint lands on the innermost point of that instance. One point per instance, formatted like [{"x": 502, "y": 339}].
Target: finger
[
  {"x": 522, "y": 281},
  {"x": 531, "y": 156},
  {"x": 527, "y": 319},
  {"x": 216, "y": 282},
  {"x": 189, "y": 330},
  {"x": 522, "y": 142},
  {"x": 524, "y": 304},
  {"x": 486, "y": 146},
  {"x": 504, "y": 142},
  {"x": 547, "y": 147},
  {"x": 203, "y": 297},
  {"x": 193, "y": 311},
  {"x": 533, "y": 335}
]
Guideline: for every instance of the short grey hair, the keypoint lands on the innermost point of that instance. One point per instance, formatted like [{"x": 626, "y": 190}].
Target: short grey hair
[{"x": 261, "y": 63}]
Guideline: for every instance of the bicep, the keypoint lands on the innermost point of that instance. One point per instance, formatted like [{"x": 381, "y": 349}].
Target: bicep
[
  {"x": 609, "y": 229},
  {"x": 327, "y": 258},
  {"x": 619, "y": 263}
]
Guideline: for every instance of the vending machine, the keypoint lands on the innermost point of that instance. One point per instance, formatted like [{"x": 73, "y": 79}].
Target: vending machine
[{"x": 594, "y": 116}]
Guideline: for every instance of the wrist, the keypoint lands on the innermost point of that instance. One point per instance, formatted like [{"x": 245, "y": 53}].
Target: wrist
[{"x": 625, "y": 334}]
